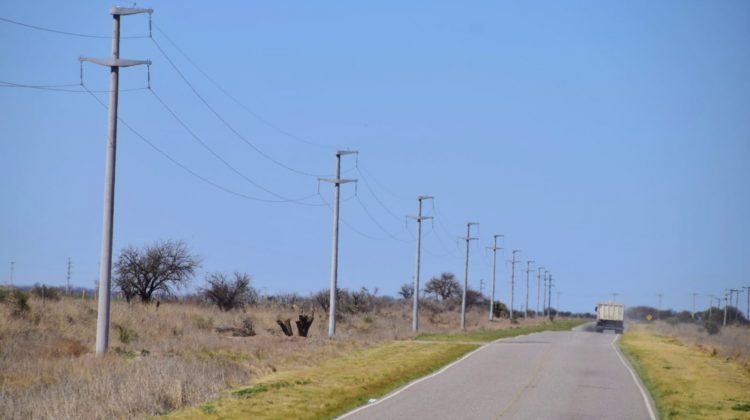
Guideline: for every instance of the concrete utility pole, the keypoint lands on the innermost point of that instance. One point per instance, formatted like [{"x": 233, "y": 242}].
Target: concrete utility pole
[
  {"x": 725, "y": 309},
  {"x": 114, "y": 63},
  {"x": 538, "y": 288},
  {"x": 468, "y": 239},
  {"x": 494, "y": 249},
  {"x": 481, "y": 287},
  {"x": 528, "y": 269},
  {"x": 737, "y": 301},
  {"x": 67, "y": 279},
  {"x": 747, "y": 292},
  {"x": 12, "y": 272},
  {"x": 710, "y": 306},
  {"x": 418, "y": 218},
  {"x": 544, "y": 303},
  {"x": 335, "y": 251},
  {"x": 513, "y": 281},
  {"x": 549, "y": 293}
]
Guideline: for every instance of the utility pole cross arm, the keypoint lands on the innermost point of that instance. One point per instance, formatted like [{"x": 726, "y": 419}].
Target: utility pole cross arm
[{"x": 115, "y": 62}]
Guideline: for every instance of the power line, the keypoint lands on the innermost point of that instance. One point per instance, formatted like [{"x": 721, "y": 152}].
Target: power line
[
  {"x": 187, "y": 169},
  {"x": 221, "y": 159},
  {"x": 226, "y": 123},
  {"x": 237, "y": 101},
  {"x": 56, "y": 31},
  {"x": 369, "y": 188},
  {"x": 60, "y": 88},
  {"x": 371, "y": 217}
]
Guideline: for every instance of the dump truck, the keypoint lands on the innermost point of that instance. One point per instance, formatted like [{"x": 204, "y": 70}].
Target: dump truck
[{"x": 610, "y": 316}]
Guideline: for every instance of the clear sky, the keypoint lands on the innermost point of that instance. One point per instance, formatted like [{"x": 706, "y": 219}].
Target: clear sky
[{"x": 609, "y": 141}]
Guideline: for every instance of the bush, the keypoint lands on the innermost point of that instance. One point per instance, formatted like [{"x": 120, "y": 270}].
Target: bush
[
  {"x": 230, "y": 294},
  {"x": 712, "y": 328},
  {"x": 499, "y": 310},
  {"x": 19, "y": 302},
  {"x": 125, "y": 334},
  {"x": 46, "y": 292}
]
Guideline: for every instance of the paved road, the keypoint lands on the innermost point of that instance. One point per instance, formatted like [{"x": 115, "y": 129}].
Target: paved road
[{"x": 549, "y": 375}]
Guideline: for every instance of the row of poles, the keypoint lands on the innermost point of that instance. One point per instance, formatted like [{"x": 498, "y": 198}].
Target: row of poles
[
  {"x": 415, "y": 295},
  {"x": 103, "y": 315}
]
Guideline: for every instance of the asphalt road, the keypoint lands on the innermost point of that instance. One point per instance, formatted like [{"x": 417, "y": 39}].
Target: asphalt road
[{"x": 548, "y": 375}]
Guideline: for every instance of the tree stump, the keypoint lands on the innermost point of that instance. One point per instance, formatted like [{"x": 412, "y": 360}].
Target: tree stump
[
  {"x": 286, "y": 327},
  {"x": 304, "y": 323}
]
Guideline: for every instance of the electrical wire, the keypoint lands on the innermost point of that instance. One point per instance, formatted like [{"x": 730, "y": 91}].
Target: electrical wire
[
  {"x": 226, "y": 123},
  {"x": 351, "y": 227},
  {"x": 178, "y": 163},
  {"x": 61, "y": 88},
  {"x": 41, "y": 28},
  {"x": 237, "y": 101},
  {"x": 224, "y": 161},
  {"x": 370, "y": 216},
  {"x": 369, "y": 188}
]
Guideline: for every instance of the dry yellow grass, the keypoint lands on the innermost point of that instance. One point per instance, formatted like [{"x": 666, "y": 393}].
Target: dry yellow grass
[
  {"x": 171, "y": 358},
  {"x": 684, "y": 380},
  {"x": 333, "y": 387}
]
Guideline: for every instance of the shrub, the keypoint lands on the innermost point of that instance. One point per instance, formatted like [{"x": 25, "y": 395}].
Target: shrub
[
  {"x": 230, "y": 294},
  {"x": 125, "y": 334},
  {"x": 711, "y": 327},
  {"x": 19, "y": 302},
  {"x": 45, "y": 292}
]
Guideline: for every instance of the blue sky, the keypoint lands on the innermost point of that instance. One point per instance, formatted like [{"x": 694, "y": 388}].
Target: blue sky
[{"x": 609, "y": 141}]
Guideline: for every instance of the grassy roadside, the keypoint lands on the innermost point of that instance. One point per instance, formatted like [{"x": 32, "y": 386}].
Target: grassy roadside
[
  {"x": 486, "y": 336},
  {"x": 334, "y": 387},
  {"x": 339, "y": 385},
  {"x": 686, "y": 382}
]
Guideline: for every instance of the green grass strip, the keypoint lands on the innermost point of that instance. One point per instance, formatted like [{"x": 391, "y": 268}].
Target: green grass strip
[
  {"x": 486, "y": 336},
  {"x": 334, "y": 387}
]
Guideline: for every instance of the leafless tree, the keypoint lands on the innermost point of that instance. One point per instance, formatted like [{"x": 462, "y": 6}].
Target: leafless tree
[
  {"x": 444, "y": 287},
  {"x": 406, "y": 291},
  {"x": 230, "y": 294},
  {"x": 162, "y": 267}
]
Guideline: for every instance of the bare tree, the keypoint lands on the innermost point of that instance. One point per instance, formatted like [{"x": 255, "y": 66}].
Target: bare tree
[
  {"x": 444, "y": 287},
  {"x": 161, "y": 267},
  {"x": 406, "y": 291},
  {"x": 230, "y": 294}
]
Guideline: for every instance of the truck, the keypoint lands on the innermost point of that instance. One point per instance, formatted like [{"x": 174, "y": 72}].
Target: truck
[{"x": 610, "y": 315}]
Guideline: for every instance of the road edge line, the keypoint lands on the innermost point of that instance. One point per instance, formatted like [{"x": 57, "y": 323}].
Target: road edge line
[
  {"x": 424, "y": 378},
  {"x": 644, "y": 393}
]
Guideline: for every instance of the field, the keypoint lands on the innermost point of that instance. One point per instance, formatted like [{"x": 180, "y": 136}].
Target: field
[
  {"x": 184, "y": 354},
  {"x": 691, "y": 374}
]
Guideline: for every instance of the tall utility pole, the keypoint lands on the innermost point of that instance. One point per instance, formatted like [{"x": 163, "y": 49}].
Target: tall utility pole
[
  {"x": 335, "y": 251},
  {"x": 737, "y": 301},
  {"x": 710, "y": 306},
  {"x": 725, "y": 309},
  {"x": 468, "y": 239},
  {"x": 418, "y": 218},
  {"x": 538, "y": 288},
  {"x": 481, "y": 287},
  {"x": 494, "y": 249},
  {"x": 67, "y": 279},
  {"x": 12, "y": 272},
  {"x": 528, "y": 269},
  {"x": 549, "y": 294},
  {"x": 114, "y": 63},
  {"x": 544, "y": 303},
  {"x": 513, "y": 281},
  {"x": 747, "y": 292}
]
